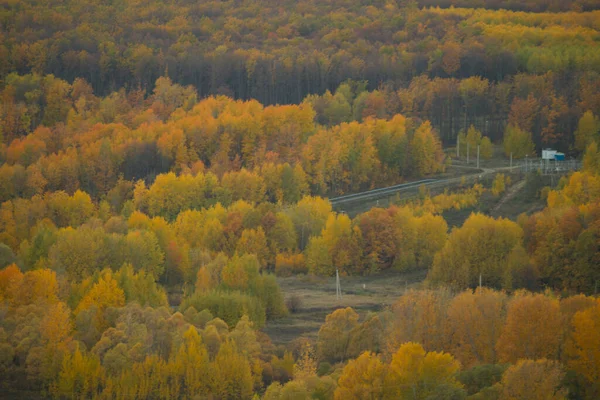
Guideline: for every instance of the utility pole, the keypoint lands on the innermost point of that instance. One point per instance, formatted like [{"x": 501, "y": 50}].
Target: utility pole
[
  {"x": 338, "y": 287},
  {"x": 468, "y": 152},
  {"x": 480, "y": 281},
  {"x": 511, "y": 160},
  {"x": 477, "y": 156}
]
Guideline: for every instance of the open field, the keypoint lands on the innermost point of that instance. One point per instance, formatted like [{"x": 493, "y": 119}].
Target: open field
[{"x": 318, "y": 299}]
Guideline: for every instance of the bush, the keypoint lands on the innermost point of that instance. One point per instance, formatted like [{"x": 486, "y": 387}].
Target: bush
[
  {"x": 294, "y": 303},
  {"x": 229, "y": 306},
  {"x": 499, "y": 185},
  {"x": 324, "y": 368},
  {"x": 289, "y": 264},
  {"x": 7, "y": 256},
  {"x": 266, "y": 289},
  {"x": 481, "y": 377}
]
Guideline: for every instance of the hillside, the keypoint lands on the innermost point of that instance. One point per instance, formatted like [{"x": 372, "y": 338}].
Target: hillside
[{"x": 260, "y": 199}]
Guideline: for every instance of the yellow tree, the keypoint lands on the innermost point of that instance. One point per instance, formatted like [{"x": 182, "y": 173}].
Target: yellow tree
[
  {"x": 306, "y": 366},
  {"x": 335, "y": 334},
  {"x": 245, "y": 338},
  {"x": 309, "y": 217},
  {"x": 253, "y": 241},
  {"x": 498, "y": 186},
  {"x": 36, "y": 286},
  {"x": 415, "y": 374},
  {"x": 81, "y": 376},
  {"x": 451, "y": 52},
  {"x": 104, "y": 294},
  {"x": 583, "y": 349},
  {"x": 486, "y": 149},
  {"x": 318, "y": 259},
  {"x": 475, "y": 321},
  {"x": 419, "y": 316},
  {"x": 587, "y": 130},
  {"x": 482, "y": 246},
  {"x": 244, "y": 185},
  {"x": 204, "y": 281},
  {"x": 533, "y": 380},
  {"x": 533, "y": 328},
  {"x": 192, "y": 364},
  {"x": 76, "y": 251},
  {"x": 518, "y": 142},
  {"x": 240, "y": 272},
  {"x": 337, "y": 236},
  {"x": 232, "y": 376},
  {"x": 56, "y": 328},
  {"x": 431, "y": 237},
  {"x": 568, "y": 308},
  {"x": 151, "y": 377},
  {"x": 591, "y": 159},
  {"x": 426, "y": 151},
  {"x": 378, "y": 235},
  {"x": 9, "y": 277},
  {"x": 473, "y": 138},
  {"x": 362, "y": 378}
]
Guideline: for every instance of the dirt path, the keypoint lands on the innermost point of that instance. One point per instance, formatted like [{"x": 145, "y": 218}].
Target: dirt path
[{"x": 510, "y": 194}]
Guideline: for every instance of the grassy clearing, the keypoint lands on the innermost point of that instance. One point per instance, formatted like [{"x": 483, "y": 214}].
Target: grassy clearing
[{"x": 318, "y": 299}]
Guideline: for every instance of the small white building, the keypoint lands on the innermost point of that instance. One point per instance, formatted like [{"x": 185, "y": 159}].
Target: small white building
[{"x": 548, "y": 154}]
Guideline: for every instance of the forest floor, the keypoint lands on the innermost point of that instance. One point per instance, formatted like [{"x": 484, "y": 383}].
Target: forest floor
[{"x": 318, "y": 299}]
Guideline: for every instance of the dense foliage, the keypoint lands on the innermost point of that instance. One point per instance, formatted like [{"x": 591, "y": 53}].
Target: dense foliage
[
  {"x": 153, "y": 189},
  {"x": 455, "y": 67}
]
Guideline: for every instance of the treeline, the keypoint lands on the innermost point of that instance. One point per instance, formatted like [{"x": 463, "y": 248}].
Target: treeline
[
  {"x": 114, "y": 337},
  {"x": 481, "y": 344},
  {"x": 517, "y": 5},
  {"x": 279, "y": 52},
  {"x": 278, "y": 152},
  {"x": 547, "y": 106}
]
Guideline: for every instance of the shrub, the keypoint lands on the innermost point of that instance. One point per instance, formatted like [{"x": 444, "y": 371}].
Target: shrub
[
  {"x": 289, "y": 264},
  {"x": 229, "y": 306},
  {"x": 294, "y": 303}
]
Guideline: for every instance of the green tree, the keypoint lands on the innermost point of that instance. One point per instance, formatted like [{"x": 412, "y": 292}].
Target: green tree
[
  {"x": 518, "y": 142},
  {"x": 587, "y": 130}
]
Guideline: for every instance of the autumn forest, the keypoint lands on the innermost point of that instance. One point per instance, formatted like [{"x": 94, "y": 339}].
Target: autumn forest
[{"x": 168, "y": 180}]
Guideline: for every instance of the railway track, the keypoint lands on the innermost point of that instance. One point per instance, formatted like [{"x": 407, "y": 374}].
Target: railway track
[{"x": 382, "y": 192}]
